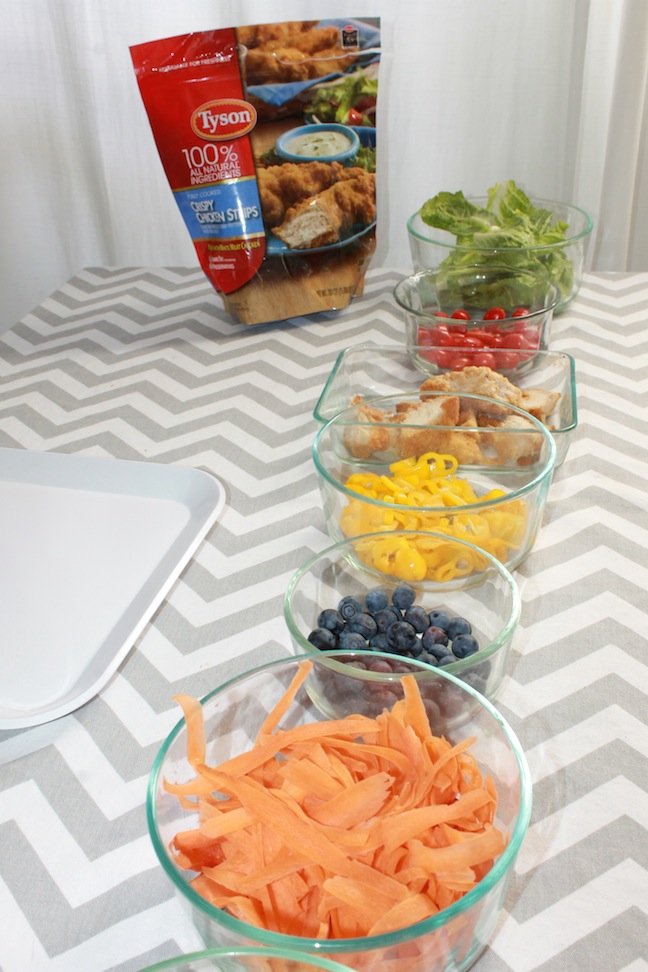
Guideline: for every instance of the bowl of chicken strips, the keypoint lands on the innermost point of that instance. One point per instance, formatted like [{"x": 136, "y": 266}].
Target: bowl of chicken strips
[{"x": 545, "y": 388}]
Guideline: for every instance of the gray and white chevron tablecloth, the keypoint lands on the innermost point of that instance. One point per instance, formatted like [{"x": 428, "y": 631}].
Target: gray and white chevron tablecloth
[{"x": 144, "y": 364}]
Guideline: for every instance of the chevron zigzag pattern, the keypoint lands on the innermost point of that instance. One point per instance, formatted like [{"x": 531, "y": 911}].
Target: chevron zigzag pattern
[{"x": 142, "y": 363}]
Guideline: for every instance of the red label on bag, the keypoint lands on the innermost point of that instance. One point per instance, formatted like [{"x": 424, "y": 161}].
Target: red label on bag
[{"x": 193, "y": 94}]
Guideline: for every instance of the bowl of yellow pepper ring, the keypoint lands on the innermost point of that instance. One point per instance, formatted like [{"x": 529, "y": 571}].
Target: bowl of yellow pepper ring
[
  {"x": 469, "y": 467},
  {"x": 460, "y": 617}
]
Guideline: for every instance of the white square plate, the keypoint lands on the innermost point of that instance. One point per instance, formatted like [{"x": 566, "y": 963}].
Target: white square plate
[{"x": 88, "y": 550}]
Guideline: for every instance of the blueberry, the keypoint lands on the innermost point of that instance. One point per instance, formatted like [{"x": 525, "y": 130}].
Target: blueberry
[
  {"x": 426, "y": 657},
  {"x": 450, "y": 699},
  {"x": 439, "y": 619},
  {"x": 436, "y": 650},
  {"x": 385, "y": 618},
  {"x": 458, "y": 626},
  {"x": 380, "y": 642},
  {"x": 432, "y": 711},
  {"x": 381, "y": 666},
  {"x": 401, "y": 636},
  {"x": 331, "y": 619},
  {"x": 416, "y": 649},
  {"x": 475, "y": 681},
  {"x": 403, "y": 597},
  {"x": 323, "y": 639},
  {"x": 351, "y": 641},
  {"x": 417, "y": 617},
  {"x": 434, "y": 638},
  {"x": 483, "y": 670},
  {"x": 349, "y": 606},
  {"x": 446, "y": 659},
  {"x": 383, "y": 698},
  {"x": 402, "y": 668},
  {"x": 376, "y": 600},
  {"x": 464, "y": 645},
  {"x": 364, "y": 624}
]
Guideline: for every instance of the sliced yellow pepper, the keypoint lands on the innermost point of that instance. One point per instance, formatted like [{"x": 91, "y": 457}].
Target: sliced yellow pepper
[{"x": 427, "y": 481}]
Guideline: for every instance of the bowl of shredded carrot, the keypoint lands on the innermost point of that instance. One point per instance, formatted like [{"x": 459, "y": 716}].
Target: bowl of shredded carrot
[
  {"x": 352, "y": 591},
  {"x": 381, "y": 842},
  {"x": 465, "y": 465}
]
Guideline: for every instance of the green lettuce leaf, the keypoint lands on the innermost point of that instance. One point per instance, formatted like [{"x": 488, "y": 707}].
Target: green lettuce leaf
[{"x": 509, "y": 224}]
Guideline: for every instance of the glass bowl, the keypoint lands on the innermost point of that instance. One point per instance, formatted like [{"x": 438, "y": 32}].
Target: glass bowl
[
  {"x": 464, "y": 465},
  {"x": 563, "y": 262},
  {"x": 451, "y": 939},
  {"x": 448, "y": 311},
  {"x": 249, "y": 959},
  {"x": 367, "y": 371},
  {"x": 468, "y": 584}
]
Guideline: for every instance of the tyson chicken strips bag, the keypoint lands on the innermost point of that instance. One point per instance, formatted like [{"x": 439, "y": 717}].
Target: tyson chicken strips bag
[{"x": 267, "y": 136}]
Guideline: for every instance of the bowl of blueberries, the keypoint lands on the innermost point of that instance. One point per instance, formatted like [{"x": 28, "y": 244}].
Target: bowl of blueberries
[{"x": 459, "y": 620}]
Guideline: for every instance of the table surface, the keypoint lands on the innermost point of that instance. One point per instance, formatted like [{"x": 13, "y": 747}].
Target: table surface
[{"x": 137, "y": 363}]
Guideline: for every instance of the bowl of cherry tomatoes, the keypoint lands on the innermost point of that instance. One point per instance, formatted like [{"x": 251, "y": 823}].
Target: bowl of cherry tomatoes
[{"x": 465, "y": 314}]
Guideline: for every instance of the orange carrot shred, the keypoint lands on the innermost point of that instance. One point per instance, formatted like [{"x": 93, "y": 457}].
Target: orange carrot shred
[
  {"x": 278, "y": 711},
  {"x": 193, "y": 713},
  {"x": 341, "y": 828}
]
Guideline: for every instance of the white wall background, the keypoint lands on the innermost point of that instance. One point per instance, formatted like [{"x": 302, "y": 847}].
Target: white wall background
[{"x": 551, "y": 93}]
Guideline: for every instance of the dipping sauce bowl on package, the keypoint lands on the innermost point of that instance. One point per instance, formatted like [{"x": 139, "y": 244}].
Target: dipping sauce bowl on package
[{"x": 267, "y": 137}]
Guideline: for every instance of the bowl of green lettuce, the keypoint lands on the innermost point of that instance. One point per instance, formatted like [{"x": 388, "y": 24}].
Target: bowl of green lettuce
[{"x": 506, "y": 227}]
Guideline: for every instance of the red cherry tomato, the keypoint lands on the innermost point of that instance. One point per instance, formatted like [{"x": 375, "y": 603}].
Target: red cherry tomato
[
  {"x": 532, "y": 339},
  {"x": 459, "y": 329},
  {"x": 461, "y": 361},
  {"x": 355, "y": 118},
  {"x": 444, "y": 339},
  {"x": 519, "y": 327},
  {"x": 443, "y": 358},
  {"x": 482, "y": 336},
  {"x": 495, "y": 314},
  {"x": 426, "y": 336},
  {"x": 520, "y": 312},
  {"x": 440, "y": 314},
  {"x": 496, "y": 339},
  {"x": 470, "y": 341},
  {"x": 508, "y": 360},
  {"x": 484, "y": 359},
  {"x": 516, "y": 341},
  {"x": 461, "y": 315}
]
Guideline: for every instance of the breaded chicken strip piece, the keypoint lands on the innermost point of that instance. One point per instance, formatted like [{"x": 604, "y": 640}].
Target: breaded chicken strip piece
[
  {"x": 282, "y": 186},
  {"x": 475, "y": 381},
  {"x": 422, "y": 434},
  {"x": 257, "y": 35},
  {"x": 363, "y": 440},
  {"x": 511, "y": 446},
  {"x": 325, "y": 218},
  {"x": 288, "y": 64},
  {"x": 539, "y": 403}
]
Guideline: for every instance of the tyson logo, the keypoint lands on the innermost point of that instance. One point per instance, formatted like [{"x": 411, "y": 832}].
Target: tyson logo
[{"x": 226, "y": 118}]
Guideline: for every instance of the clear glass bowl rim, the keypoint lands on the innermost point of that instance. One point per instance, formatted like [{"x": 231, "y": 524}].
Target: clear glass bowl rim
[
  {"x": 400, "y": 298},
  {"x": 456, "y": 668},
  {"x": 544, "y": 203},
  {"x": 546, "y": 471},
  {"x": 248, "y": 951},
  {"x": 388, "y": 349},
  {"x": 343, "y": 945}
]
